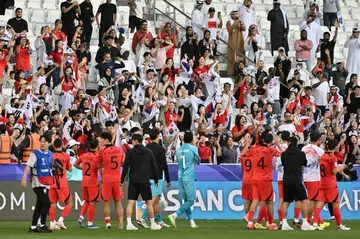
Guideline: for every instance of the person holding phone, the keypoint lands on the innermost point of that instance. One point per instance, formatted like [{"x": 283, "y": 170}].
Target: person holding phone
[{"x": 212, "y": 23}]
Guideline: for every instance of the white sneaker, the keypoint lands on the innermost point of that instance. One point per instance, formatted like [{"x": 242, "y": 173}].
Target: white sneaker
[
  {"x": 155, "y": 226},
  {"x": 343, "y": 228},
  {"x": 142, "y": 223},
  {"x": 307, "y": 227},
  {"x": 163, "y": 224},
  {"x": 53, "y": 226},
  {"x": 61, "y": 225},
  {"x": 194, "y": 226},
  {"x": 131, "y": 227},
  {"x": 318, "y": 228},
  {"x": 286, "y": 227}
]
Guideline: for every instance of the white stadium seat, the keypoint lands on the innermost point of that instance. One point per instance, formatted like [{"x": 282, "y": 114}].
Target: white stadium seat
[
  {"x": 52, "y": 16},
  {"x": 50, "y": 5},
  {"x": 34, "y": 4},
  {"x": 38, "y": 15}
]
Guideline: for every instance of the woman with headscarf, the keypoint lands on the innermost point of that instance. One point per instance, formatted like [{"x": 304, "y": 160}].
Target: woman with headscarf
[
  {"x": 235, "y": 28},
  {"x": 254, "y": 43},
  {"x": 105, "y": 83}
]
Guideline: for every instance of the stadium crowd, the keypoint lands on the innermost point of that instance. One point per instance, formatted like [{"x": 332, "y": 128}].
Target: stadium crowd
[{"x": 137, "y": 95}]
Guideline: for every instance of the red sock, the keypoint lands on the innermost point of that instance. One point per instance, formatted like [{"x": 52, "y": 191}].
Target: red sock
[
  {"x": 321, "y": 221},
  {"x": 309, "y": 220},
  {"x": 107, "y": 220},
  {"x": 66, "y": 211},
  {"x": 84, "y": 209},
  {"x": 261, "y": 215},
  {"x": 92, "y": 210},
  {"x": 271, "y": 219},
  {"x": 297, "y": 211},
  {"x": 317, "y": 214},
  {"x": 266, "y": 216},
  {"x": 337, "y": 215},
  {"x": 280, "y": 215},
  {"x": 251, "y": 216},
  {"x": 52, "y": 213}
]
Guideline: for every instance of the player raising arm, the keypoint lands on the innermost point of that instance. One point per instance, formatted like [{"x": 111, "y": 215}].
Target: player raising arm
[
  {"x": 328, "y": 190},
  {"x": 110, "y": 158},
  {"x": 89, "y": 184},
  {"x": 187, "y": 156}
]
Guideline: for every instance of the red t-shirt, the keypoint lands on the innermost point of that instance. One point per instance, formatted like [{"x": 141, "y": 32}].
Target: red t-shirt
[
  {"x": 17, "y": 83},
  {"x": 327, "y": 162},
  {"x": 171, "y": 52},
  {"x": 23, "y": 59},
  {"x": 56, "y": 56},
  {"x": 112, "y": 159},
  {"x": 60, "y": 35},
  {"x": 65, "y": 159},
  {"x": 171, "y": 75},
  {"x": 341, "y": 154},
  {"x": 221, "y": 118},
  {"x": 291, "y": 106},
  {"x": 3, "y": 65},
  {"x": 204, "y": 152},
  {"x": 67, "y": 86},
  {"x": 241, "y": 100},
  {"x": 170, "y": 117},
  {"x": 263, "y": 163},
  {"x": 82, "y": 140},
  {"x": 200, "y": 70},
  {"x": 89, "y": 169}
]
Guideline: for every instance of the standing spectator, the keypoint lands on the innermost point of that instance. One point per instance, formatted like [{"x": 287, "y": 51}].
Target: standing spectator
[
  {"x": 303, "y": 49},
  {"x": 86, "y": 19},
  {"x": 43, "y": 45},
  {"x": 254, "y": 43},
  {"x": 330, "y": 9},
  {"x": 339, "y": 74},
  {"x": 279, "y": 28},
  {"x": 18, "y": 24},
  {"x": 69, "y": 11},
  {"x": 197, "y": 19},
  {"x": 353, "y": 100},
  {"x": 247, "y": 15},
  {"x": 190, "y": 48},
  {"x": 204, "y": 150},
  {"x": 273, "y": 86},
  {"x": 159, "y": 54},
  {"x": 313, "y": 10},
  {"x": 137, "y": 8},
  {"x": 327, "y": 44},
  {"x": 5, "y": 59},
  {"x": 166, "y": 34},
  {"x": 58, "y": 31},
  {"x": 107, "y": 48},
  {"x": 353, "y": 43},
  {"x": 206, "y": 6},
  {"x": 235, "y": 28},
  {"x": 108, "y": 18},
  {"x": 313, "y": 33},
  {"x": 140, "y": 34},
  {"x": 56, "y": 55},
  {"x": 212, "y": 23},
  {"x": 23, "y": 52},
  {"x": 321, "y": 90},
  {"x": 207, "y": 44}
]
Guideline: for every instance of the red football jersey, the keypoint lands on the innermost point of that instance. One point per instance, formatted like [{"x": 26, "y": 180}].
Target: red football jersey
[
  {"x": 263, "y": 163},
  {"x": 89, "y": 169},
  {"x": 248, "y": 164},
  {"x": 112, "y": 159},
  {"x": 66, "y": 163},
  {"x": 327, "y": 163}
]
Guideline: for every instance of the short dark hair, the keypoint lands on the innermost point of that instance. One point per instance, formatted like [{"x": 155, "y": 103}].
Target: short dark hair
[
  {"x": 109, "y": 123},
  {"x": 58, "y": 143},
  {"x": 57, "y": 21},
  {"x": 327, "y": 33},
  {"x": 143, "y": 21},
  {"x": 146, "y": 54},
  {"x": 137, "y": 137},
  {"x": 34, "y": 128},
  {"x": 154, "y": 134},
  {"x": 293, "y": 140},
  {"x": 331, "y": 144},
  {"x": 17, "y": 9},
  {"x": 315, "y": 136},
  {"x": 106, "y": 135},
  {"x": 149, "y": 71},
  {"x": 188, "y": 137},
  {"x": 267, "y": 138},
  {"x": 46, "y": 137},
  {"x": 93, "y": 144},
  {"x": 285, "y": 135}
]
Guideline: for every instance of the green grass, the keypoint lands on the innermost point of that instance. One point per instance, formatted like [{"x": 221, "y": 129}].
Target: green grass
[{"x": 208, "y": 230}]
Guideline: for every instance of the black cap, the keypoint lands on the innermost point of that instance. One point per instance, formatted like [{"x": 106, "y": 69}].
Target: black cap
[{"x": 211, "y": 9}]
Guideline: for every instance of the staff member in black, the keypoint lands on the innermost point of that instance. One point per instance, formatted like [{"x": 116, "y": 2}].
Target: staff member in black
[
  {"x": 293, "y": 160},
  {"x": 139, "y": 163},
  {"x": 86, "y": 19},
  {"x": 40, "y": 165},
  {"x": 69, "y": 11},
  {"x": 108, "y": 18}
]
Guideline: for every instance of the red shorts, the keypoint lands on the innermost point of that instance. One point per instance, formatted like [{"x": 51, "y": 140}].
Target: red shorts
[
  {"x": 281, "y": 189},
  {"x": 263, "y": 191},
  {"x": 59, "y": 195},
  {"x": 111, "y": 189},
  {"x": 246, "y": 191},
  {"x": 91, "y": 194},
  {"x": 312, "y": 189},
  {"x": 328, "y": 195}
]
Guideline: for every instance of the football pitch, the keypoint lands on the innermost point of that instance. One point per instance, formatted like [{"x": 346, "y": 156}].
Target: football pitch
[{"x": 207, "y": 229}]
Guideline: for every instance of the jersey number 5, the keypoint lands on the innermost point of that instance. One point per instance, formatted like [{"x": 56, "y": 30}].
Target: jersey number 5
[
  {"x": 261, "y": 163},
  {"x": 114, "y": 163}
]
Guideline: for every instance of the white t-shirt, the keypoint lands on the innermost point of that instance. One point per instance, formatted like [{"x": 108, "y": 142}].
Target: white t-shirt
[
  {"x": 312, "y": 169},
  {"x": 249, "y": 99},
  {"x": 211, "y": 24},
  {"x": 274, "y": 89},
  {"x": 279, "y": 167},
  {"x": 39, "y": 81},
  {"x": 160, "y": 58},
  {"x": 138, "y": 10},
  {"x": 129, "y": 66},
  {"x": 287, "y": 127},
  {"x": 320, "y": 93}
]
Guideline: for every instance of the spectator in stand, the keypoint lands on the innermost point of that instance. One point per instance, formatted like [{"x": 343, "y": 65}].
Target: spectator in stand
[
  {"x": 146, "y": 65},
  {"x": 189, "y": 33},
  {"x": 353, "y": 61},
  {"x": 235, "y": 28},
  {"x": 159, "y": 52},
  {"x": 303, "y": 49},
  {"x": 321, "y": 89},
  {"x": 207, "y": 44},
  {"x": 197, "y": 19},
  {"x": 353, "y": 100},
  {"x": 170, "y": 70},
  {"x": 23, "y": 52},
  {"x": 279, "y": 28},
  {"x": 137, "y": 8},
  {"x": 108, "y": 63},
  {"x": 273, "y": 86},
  {"x": 18, "y": 24},
  {"x": 247, "y": 15},
  {"x": 286, "y": 124},
  {"x": 339, "y": 74},
  {"x": 107, "y": 48},
  {"x": 69, "y": 12},
  {"x": 58, "y": 31},
  {"x": 284, "y": 60},
  {"x": 56, "y": 56},
  {"x": 166, "y": 34},
  {"x": 5, "y": 59},
  {"x": 351, "y": 84},
  {"x": 330, "y": 9},
  {"x": 43, "y": 45},
  {"x": 118, "y": 41},
  {"x": 108, "y": 18},
  {"x": 140, "y": 34},
  {"x": 254, "y": 44},
  {"x": 207, "y": 4},
  {"x": 86, "y": 18},
  {"x": 204, "y": 150},
  {"x": 327, "y": 44},
  {"x": 314, "y": 11},
  {"x": 190, "y": 48},
  {"x": 129, "y": 64},
  {"x": 212, "y": 23}
]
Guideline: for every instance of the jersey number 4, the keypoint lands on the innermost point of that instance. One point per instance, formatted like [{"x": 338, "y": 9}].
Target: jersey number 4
[{"x": 261, "y": 163}]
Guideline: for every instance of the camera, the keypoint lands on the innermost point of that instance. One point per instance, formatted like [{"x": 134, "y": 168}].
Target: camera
[{"x": 350, "y": 166}]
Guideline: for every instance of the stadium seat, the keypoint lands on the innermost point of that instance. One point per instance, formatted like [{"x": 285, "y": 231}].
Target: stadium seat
[
  {"x": 351, "y": 3},
  {"x": 231, "y": 7},
  {"x": 52, "y": 16},
  {"x": 34, "y": 4},
  {"x": 49, "y": 5},
  {"x": 38, "y": 15}
]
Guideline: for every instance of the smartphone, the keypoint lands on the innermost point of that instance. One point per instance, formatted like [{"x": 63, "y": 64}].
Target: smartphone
[
  {"x": 219, "y": 14},
  {"x": 113, "y": 27}
]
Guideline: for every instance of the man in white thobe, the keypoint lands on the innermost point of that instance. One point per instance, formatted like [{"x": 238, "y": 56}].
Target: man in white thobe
[
  {"x": 197, "y": 19},
  {"x": 353, "y": 60},
  {"x": 313, "y": 33},
  {"x": 254, "y": 44},
  {"x": 247, "y": 15},
  {"x": 313, "y": 8}
]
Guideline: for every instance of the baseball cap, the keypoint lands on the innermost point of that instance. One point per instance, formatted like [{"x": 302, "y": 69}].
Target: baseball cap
[
  {"x": 72, "y": 143},
  {"x": 211, "y": 9}
]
